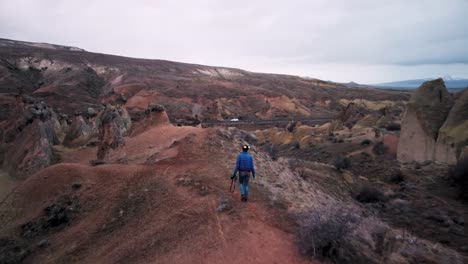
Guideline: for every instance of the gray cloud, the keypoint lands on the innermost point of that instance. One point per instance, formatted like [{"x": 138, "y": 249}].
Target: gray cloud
[{"x": 297, "y": 37}]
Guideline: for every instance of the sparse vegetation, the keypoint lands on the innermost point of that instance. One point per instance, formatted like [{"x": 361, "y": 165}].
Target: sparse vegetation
[
  {"x": 248, "y": 137},
  {"x": 366, "y": 142},
  {"x": 272, "y": 150},
  {"x": 13, "y": 251},
  {"x": 370, "y": 194},
  {"x": 336, "y": 140},
  {"x": 410, "y": 218},
  {"x": 54, "y": 216},
  {"x": 296, "y": 145},
  {"x": 379, "y": 148},
  {"x": 322, "y": 234},
  {"x": 121, "y": 99},
  {"x": 396, "y": 177},
  {"x": 393, "y": 127},
  {"x": 459, "y": 174},
  {"x": 154, "y": 108},
  {"x": 342, "y": 162},
  {"x": 291, "y": 126}
]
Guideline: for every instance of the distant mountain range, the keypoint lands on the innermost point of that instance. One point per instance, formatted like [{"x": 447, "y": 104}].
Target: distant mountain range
[{"x": 450, "y": 83}]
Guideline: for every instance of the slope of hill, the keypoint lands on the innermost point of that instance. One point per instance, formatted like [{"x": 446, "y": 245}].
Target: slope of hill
[
  {"x": 173, "y": 208},
  {"x": 73, "y": 80},
  {"x": 110, "y": 166}
]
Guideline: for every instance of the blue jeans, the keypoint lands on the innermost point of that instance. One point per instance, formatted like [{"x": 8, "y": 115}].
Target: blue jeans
[{"x": 244, "y": 184}]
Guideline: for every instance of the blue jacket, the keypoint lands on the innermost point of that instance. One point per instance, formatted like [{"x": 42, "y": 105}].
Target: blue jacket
[{"x": 244, "y": 163}]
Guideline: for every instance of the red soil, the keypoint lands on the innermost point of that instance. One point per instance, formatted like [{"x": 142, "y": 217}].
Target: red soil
[
  {"x": 161, "y": 213},
  {"x": 142, "y": 99},
  {"x": 391, "y": 142}
]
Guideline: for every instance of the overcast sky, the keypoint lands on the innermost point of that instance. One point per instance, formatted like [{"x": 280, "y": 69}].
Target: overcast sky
[{"x": 366, "y": 41}]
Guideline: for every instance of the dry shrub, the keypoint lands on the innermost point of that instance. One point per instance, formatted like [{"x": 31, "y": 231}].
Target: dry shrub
[
  {"x": 296, "y": 145},
  {"x": 369, "y": 194},
  {"x": 342, "y": 162},
  {"x": 342, "y": 236},
  {"x": 248, "y": 137},
  {"x": 291, "y": 126},
  {"x": 366, "y": 142},
  {"x": 322, "y": 233},
  {"x": 393, "y": 127},
  {"x": 272, "y": 150},
  {"x": 397, "y": 177},
  {"x": 379, "y": 148}
]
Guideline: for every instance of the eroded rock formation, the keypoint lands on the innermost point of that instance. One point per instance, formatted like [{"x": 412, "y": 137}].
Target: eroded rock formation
[
  {"x": 82, "y": 131},
  {"x": 113, "y": 124},
  {"x": 434, "y": 127},
  {"x": 351, "y": 114},
  {"x": 29, "y": 135},
  {"x": 453, "y": 135},
  {"x": 154, "y": 115}
]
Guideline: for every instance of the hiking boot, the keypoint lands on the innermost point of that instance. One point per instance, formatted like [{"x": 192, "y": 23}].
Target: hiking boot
[{"x": 243, "y": 198}]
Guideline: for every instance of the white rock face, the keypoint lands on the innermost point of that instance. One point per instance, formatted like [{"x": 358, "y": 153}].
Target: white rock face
[
  {"x": 228, "y": 73},
  {"x": 434, "y": 127},
  {"x": 211, "y": 73},
  {"x": 48, "y": 65},
  {"x": 219, "y": 72},
  {"x": 117, "y": 80},
  {"x": 414, "y": 144},
  {"x": 424, "y": 115}
]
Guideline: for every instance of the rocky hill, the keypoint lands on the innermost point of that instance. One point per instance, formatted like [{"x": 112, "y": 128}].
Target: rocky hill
[
  {"x": 435, "y": 125},
  {"x": 73, "y": 80},
  {"x": 103, "y": 160}
]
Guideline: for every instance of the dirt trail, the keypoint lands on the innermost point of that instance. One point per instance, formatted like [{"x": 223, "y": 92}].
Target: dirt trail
[{"x": 177, "y": 210}]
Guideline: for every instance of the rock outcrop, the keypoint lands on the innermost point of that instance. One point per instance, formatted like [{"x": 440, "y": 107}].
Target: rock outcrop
[
  {"x": 433, "y": 127},
  {"x": 368, "y": 121},
  {"x": 113, "y": 124},
  {"x": 29, "y": 136},
  {"x": 431, "y": 104},
  {"x": 453, "y": 135},
  {"x": 302, "y": 136},
  {"x": 154, "y": 115},
  {"x": 351, "y": 114},
  {"x": 81, "y": 132}
]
